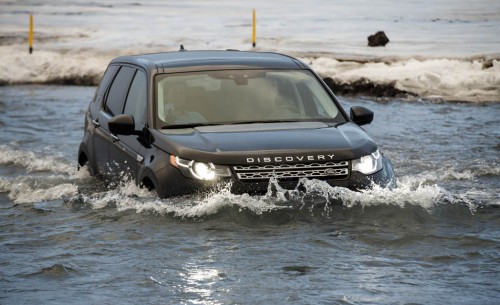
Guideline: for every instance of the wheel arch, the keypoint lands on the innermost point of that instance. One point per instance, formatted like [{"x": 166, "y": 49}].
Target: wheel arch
[
  {"x": 82, "y": 158},
  {"x": 148, "y": 180}
]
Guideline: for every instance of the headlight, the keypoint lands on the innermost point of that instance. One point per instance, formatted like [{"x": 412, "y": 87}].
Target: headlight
[
  {"x": 203, "y": 171},
  {"x": 368, "y": 164},
  {"x": 200, "y": 170}
]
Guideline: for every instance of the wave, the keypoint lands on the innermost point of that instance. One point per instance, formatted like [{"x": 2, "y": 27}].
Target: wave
[
  {"x": 464, "y": 80},
  {"x": 31, "y": 190},
  {"x": 45, "y": 178},
  {"x": 310, "y": 196},
  {"x": 33, "y": 162}
]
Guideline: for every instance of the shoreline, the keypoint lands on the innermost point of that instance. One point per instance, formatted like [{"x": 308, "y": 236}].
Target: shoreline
[{"x": 475, "y": 79}]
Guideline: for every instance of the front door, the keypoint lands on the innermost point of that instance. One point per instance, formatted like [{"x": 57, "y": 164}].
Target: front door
[
  {"x": 99, "y": 137},
  {"x": 113, "y": 105},
  {"x": 124, "y": 150}
]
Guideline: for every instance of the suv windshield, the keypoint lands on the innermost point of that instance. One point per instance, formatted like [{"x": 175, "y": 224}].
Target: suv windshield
[{"x": 241, "y": 96}]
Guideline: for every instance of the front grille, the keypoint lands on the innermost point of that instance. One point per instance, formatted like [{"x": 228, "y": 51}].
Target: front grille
[{"x": 332, "y": 170}]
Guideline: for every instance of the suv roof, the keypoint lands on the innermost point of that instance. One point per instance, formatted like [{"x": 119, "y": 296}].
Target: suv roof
[{"x": 202, "y": 60}]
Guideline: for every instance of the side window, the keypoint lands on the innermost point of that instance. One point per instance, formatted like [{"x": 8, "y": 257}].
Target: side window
[
  {"x": 118, "y": 91},
  {"x": 136, "y": 103},
  {"x": 104, "y": 83}
]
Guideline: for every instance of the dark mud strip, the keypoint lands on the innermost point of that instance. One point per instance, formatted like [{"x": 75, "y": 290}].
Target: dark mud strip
[{"x": 365, "y": 87}]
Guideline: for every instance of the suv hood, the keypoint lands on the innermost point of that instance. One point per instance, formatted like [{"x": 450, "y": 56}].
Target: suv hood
[{"x": 277, "y": 142}]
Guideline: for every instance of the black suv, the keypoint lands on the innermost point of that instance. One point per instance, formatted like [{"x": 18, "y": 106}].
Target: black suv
[{"x": 182, "y": 122}]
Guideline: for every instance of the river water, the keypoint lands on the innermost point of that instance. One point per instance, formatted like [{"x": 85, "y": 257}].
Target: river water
[{"x": 68, "y": 238}]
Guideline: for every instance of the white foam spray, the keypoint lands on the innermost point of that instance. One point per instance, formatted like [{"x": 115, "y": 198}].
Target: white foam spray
[{"x": 48, "y": 178}]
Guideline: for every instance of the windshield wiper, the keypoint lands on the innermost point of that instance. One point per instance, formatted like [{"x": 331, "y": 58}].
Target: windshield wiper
[
  {"x": 265, "y": 121},
  {"x": 188, "y": 125},
  {"x": 193, "y": 125}
]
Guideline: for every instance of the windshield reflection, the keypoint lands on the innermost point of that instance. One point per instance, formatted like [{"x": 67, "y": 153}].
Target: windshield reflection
[{"x": 235, "y": 96}]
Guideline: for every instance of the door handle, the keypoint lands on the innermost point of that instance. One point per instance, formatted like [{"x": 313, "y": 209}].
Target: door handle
[
  {"x": 114, "y": 138},
  {"x": 95, "y": 123}
]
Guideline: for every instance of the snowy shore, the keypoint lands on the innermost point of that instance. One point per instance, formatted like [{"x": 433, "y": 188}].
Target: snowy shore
[
  {"x": 439, "y": 49},
  {"x": 466, "y": 80}
]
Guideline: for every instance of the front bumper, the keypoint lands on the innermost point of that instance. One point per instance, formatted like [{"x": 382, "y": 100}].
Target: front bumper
[{"x": 172, "y": 183}]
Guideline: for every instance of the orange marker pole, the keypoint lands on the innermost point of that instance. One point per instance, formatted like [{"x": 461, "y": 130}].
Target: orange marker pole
[
  {"x": 30, "y": 39},
  {"x": 254, "y": 31}
]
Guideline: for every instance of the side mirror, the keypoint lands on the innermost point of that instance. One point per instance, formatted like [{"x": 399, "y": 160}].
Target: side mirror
[
  {"x": 122, "y": 124},
  {"x": 361, "y": 115}
]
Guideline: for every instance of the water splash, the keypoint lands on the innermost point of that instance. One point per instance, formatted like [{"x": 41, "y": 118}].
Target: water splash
[
  {"x": 48, "y": 178},
  {"x": 128, "y": 196},
  {"x": 409, "y": 191},
  {"x": 309, "y": 195}
]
